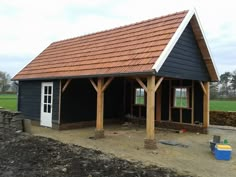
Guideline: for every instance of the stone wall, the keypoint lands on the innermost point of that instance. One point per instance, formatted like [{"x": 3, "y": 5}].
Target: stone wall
[{"x": 223, "y": 118}]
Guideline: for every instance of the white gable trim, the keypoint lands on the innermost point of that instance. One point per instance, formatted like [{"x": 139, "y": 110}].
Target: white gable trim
[
  {"x": 162, "y": 58},
  {"x": 204, "y": 37}
]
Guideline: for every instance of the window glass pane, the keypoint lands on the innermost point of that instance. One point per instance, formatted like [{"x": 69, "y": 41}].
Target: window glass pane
[
  {"x": 137, "y": 92},
  {"x": 49, "y": 108},
  {"x": 49, "y": 99},
  {"x": 45, "y": 108},
  {"x": 49, "y": 90},
  {"x": 45, "y": 90},
  {"x": 45, "y": 99},
  {"x": 139, "y": 96},
  {"x": 181, "y": 97},
  {"x": 141, "y": 92}
]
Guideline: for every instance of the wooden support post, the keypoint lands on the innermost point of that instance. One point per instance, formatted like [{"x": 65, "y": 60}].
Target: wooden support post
[
  {"x": 150, "y": 142},
  {"x": 158, "y": 105},
  {"x": 99, "y": 132},
  {"x": 100, "y": 88},
  {"x": 206, "y": 105},
  {"x": 66, "y": 85}
]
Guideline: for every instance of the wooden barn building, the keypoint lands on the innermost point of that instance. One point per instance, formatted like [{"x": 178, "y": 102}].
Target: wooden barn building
[{"x": 156, "y": 70}]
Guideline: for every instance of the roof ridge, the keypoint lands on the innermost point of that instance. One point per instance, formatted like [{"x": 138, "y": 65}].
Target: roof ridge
[{"x": 122, "y": 26}]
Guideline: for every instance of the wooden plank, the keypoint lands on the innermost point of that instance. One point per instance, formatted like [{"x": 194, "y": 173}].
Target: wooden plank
[
  {"x": 203, "y": 88},
  {"x": 94, "y": 85},
  {"x": 150, "y": 124},
  {"x": 158, "y": 83},
  {"x": 192, "y": 112},
  {"x": 66, "y": 85},
  {"x": 107, "y": 83},
  {"x": 141, "y": 83},
  {"x": 100, "y": 104},
  {"x": 158, "y": 105},
  {"x": 206, "y": 106}
]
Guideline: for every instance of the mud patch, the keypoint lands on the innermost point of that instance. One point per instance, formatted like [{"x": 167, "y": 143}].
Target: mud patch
[{"x": 25, "y": 155}]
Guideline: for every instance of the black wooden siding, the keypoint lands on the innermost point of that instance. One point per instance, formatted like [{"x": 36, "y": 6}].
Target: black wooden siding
[
  {"x": 29, "y": 99},
  {"x": 185, "y": 60}
]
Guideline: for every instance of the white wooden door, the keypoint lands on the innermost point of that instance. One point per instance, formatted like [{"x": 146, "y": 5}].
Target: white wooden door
[{"x": 46, "y": 104}]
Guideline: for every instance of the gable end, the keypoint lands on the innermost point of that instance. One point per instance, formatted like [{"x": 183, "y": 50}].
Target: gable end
[{"x": 185, "y": 61}]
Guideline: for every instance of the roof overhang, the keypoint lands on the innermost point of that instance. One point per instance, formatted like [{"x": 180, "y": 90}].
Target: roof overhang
[{"x": 193, "y": 19}]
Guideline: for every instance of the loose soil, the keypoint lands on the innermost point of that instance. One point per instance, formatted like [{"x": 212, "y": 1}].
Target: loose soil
[{"x": 22, "y": 154}]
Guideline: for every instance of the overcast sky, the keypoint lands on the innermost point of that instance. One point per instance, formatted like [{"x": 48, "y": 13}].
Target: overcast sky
[{"x": 27, "y": 27}]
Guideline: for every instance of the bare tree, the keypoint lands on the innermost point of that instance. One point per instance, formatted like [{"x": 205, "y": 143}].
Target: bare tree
[
  {"x": 233, "y": 81},
  {"x": 5, "y": 80},
  {"x": 213, "y": 90},
  {"x": 225, "y": 80}
]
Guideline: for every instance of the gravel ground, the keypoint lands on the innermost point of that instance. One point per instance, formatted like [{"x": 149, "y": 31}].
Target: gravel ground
[{"x": 22, "y": 154}]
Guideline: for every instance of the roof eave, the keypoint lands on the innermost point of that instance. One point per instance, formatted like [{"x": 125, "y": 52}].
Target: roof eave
[{"x": 151, "y": 72}]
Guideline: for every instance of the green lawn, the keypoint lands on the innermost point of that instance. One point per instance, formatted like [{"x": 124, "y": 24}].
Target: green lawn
[
  {"x": 222, "y": 105},
  {"x": 8, "y": 101}
]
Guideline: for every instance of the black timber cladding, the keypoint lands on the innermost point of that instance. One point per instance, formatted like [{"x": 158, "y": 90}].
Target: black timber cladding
[
  {"x": 185, "y": 61},
  {"x": 29, "y": 99}
]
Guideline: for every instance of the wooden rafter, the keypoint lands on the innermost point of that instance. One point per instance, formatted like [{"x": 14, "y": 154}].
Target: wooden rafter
[
  {"x": 94, "y": 85},
  {"x": 158, "y": 83},
  {"x": 107, "y": 83},
  {"x": 141, "y": 83},
  {"x": 203, "y": 88},
  {"x": 66, "y": 85}
]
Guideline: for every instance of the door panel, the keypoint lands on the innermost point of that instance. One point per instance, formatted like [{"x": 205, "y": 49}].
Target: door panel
[{"x": 46, "y": 104}]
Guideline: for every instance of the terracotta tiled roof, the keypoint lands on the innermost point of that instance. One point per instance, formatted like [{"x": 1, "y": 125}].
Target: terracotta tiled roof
[{"x": 128, "y": 49}]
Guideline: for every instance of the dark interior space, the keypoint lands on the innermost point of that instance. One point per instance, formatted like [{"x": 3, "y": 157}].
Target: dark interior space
[
  {"x": 198, "y": 103},
  {"x": 79, "y": 100},
  {"x": 132, "y": 110}
]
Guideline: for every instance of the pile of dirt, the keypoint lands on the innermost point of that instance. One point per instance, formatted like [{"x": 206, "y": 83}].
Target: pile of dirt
[{"x": 26, "y": 155}]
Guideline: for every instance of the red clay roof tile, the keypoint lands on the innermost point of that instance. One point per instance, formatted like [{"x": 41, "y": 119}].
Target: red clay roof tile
[{"x": 128, "y": 49}]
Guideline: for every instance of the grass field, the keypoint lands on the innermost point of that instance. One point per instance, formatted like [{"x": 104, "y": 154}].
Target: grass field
[
  {"x": 9, "y": 101},
  {"x": 222, "y": 105}
]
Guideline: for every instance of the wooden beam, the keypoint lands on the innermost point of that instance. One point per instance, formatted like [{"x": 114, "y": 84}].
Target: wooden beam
[
  {"x": 206, "y": 106},
  {"x": 150, "y": 124},
  {"x": 141, "y": 83},
  {"x": 66, "y": 85},
  {"x": 107, "y": 83},
  {"x": 100, "y": 104},
  {"x": 94, "y": 85},
  {"x": 158, "y": 105},
  {"x": 158, "y": 83},
  {"x": 203, "y": 88}
]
